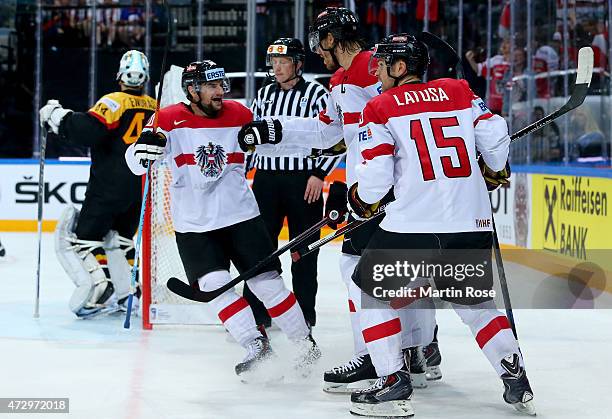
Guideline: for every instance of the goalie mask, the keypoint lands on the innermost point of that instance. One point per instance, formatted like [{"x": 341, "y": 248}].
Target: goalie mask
[
  {"x": 133, "y": 69},
  {"x": 199, "y": 72},
  {"x": 402, "y": 46}
]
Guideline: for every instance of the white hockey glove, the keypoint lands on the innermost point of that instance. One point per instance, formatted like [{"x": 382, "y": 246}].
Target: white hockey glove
[
  {"x": 149, "y": 147},
  {"x": 267, "y": 131},
  {"x": 51, "y": 115}
]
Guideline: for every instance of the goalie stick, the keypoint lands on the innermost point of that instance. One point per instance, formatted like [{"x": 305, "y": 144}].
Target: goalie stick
[
  {"x": 192, "y": 293},
  {"x": 41, "y": 178},
  {"x": 145, "y": 193}
]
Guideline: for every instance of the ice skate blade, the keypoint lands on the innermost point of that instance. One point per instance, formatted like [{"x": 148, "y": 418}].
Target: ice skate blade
[
  {"x": 393, "y": 409},
  {"x": 433, "y": 373},
  {"x": 527, "y": 408},
  {"x": 346, "y": 388},
  {"x": 90, "y": 314},
  {"x": 418, "y": 380}
]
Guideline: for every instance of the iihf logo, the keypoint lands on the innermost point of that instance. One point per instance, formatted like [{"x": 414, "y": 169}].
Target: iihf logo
[{"x": 211, "y": 160}]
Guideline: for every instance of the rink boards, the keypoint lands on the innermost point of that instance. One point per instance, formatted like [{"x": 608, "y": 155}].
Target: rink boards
[{"x": 564, "y": 213}]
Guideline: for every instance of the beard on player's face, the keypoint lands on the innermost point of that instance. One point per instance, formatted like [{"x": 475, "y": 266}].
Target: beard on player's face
[{"x": 210, "y": 98}]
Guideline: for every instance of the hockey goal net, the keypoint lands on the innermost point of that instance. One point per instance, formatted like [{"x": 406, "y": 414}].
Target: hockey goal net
[{"x": 160, "y": 261}]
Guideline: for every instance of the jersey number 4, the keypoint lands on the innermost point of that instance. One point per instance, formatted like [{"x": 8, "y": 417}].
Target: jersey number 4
[
  {"x": 464, "y": 169},
  {"x": 134, "y": 129}
]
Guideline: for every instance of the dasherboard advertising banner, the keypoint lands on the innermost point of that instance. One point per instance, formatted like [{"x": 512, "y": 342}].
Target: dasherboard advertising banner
[
  {"x": 63, "y": 184},
  {"x": 512, "y": 210},
  {"x": 574, "y": 217}
]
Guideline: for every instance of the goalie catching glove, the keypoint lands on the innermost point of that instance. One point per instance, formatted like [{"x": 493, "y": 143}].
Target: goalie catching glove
[
  {"x": 363, "y": 210},
  {"x": 494, "y": 179},
  {"x": 267, "y": 131},
  {"x": 149, "y": 147}
]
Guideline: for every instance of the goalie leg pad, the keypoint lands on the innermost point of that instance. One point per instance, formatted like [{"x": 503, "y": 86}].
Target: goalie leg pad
[
  {"x": 116, "y": 249},
  {"x": 94, "y": 293},
  {"x": 119, "y": 252}
]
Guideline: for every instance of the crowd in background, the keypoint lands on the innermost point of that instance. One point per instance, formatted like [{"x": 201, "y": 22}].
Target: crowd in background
[
  {"x": 69, "y": 23},
  {"x": 515, "y": 90}
]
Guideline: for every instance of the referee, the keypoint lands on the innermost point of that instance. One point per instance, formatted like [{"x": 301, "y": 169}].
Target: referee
[{"x": 287, "y": 183}]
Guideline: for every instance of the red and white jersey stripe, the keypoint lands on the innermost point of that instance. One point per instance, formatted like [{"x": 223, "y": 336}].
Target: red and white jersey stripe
[
  {"x": 350, "y": 90},
  {"x": 422, "y": 139},
  {"x": 209, "y": 189}
]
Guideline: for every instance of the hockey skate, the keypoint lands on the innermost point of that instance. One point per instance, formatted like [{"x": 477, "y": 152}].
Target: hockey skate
[
  {"x": 2, "y": 251},
  {"x": 258, "y": 351},
  {"x": 517, "y": 391},
  {"x": 105, "y": 304},
  {"x": 433, "y": 358},
  {"x": 388, "y": 397},
  {"x": 356, "y": 374},
  {"x": 308, "y": 354},
  {"x": 415, "y": 360}
]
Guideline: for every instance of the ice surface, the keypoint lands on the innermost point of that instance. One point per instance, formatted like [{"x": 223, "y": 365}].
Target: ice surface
[{"x": 180, "y": 373}]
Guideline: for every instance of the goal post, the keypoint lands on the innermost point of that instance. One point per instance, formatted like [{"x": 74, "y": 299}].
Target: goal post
[{"x": 161, "y": 260}]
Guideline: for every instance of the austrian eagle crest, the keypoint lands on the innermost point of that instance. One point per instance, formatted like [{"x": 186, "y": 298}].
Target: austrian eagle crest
[{"x": 211, "y": 160}]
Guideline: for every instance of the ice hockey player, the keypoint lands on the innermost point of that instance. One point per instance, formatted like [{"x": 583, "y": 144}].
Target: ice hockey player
[
  {"x": 334, "y": 37},
  {"x": 2, "y": 251},
  {"x": 422, "y": 139},
  {"x": 94, "y": 246},
  {"x": 290, "y": 185},
  {"x": 214, "y": 212}
]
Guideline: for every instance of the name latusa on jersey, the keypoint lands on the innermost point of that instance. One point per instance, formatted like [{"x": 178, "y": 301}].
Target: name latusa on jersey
[{"x": 431, "y": 94}]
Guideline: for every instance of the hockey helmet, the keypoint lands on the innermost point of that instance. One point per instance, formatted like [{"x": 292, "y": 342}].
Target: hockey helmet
[
  {"x": 401, "y": 46},
  {"x": 199, "y": 72},
  {"x": 133, "y": 69},
  {"x": 339, "y": 21}
]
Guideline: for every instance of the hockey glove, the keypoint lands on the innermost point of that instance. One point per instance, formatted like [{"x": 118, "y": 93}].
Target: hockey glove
[
  {"x": 51, "y": 115},
  {"x": 494, "y": 179},
  {"x": 267, "y": 131},
  {"x": 363, "y": 210},
  {"x": 336, "y": 201},
  {"x": 149, "y": 147}
]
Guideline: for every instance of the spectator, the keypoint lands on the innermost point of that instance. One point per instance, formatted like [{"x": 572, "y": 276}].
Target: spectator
[
  {"x": 545, "y": 59},
  {"x": 496, "y": 68},
  {"x": 108, "y": 17},
  {"x": 586, "y": 139},
  {"x": 546, "y": 142},
  {"x": 131, "y": 24}
]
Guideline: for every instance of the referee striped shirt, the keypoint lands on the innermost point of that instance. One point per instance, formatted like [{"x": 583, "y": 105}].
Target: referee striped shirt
[{"x": 305, "y": 99}]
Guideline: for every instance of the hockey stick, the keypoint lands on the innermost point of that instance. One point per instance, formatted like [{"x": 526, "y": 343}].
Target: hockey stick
[
  {"x": 194, "y": 293},
  {"x": 145, "y": 194},
  {"x": 300, "y": 253},
  {"x": 41, "y": 198},
  {"x": 439, "y": 44}
]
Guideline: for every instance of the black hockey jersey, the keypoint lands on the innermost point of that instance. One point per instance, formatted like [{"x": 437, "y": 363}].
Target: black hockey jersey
[{"x": 108, "y": 128}]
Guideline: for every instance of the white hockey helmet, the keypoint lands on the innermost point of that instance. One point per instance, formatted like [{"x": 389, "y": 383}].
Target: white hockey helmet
[{"x": 133, "y": 69}]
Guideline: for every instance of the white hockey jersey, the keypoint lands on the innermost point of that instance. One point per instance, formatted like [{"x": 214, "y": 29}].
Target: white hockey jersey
[
  {"x": 209, "y": 189},
  {"x": 350, "y": 90},
  {"x": 423, "y": 139}
]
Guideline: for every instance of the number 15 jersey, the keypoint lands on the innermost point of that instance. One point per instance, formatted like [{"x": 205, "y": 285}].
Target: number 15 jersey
[{"x": 423, "y": 139}]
